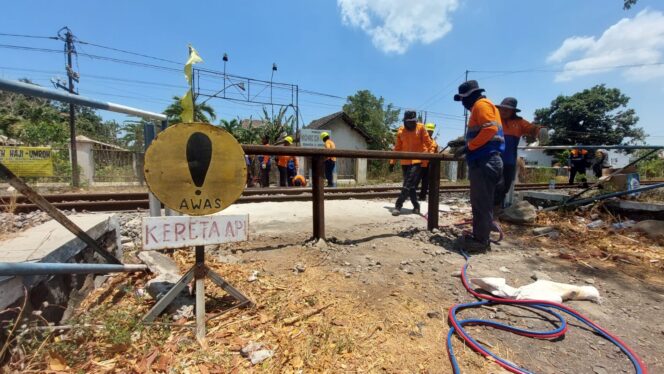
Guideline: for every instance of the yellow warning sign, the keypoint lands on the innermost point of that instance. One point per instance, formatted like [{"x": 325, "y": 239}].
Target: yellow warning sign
[
  {"x": 28, "y": 161},
  {"x": 195, "y": 168}
]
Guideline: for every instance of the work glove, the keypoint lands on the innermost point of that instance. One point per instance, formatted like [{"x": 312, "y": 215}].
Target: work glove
[
  {"x": 263, "y": 166},
  {"x": 391, "y": 168},
  {"x": 456, "y": 143},
  {"x": 460, "y": 152}
]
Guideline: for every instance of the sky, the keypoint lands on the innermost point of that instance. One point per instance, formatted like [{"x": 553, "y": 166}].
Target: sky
[{"x": 412, "y": 53}]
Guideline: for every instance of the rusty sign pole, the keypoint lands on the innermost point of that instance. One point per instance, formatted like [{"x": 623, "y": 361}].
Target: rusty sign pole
[
  {"x": 317, "y": 171},
  {"x": 52, "y": 211},
  {"x": 434, "y": 194},
  {"x": 199, "y": 275}
]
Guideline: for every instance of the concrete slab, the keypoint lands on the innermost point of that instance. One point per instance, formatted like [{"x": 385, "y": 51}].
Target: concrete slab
[
  {"x": 49, "y": 242},
  {"x": 544, "y": 195}
]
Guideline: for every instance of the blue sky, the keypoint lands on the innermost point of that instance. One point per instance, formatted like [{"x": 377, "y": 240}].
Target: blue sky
[{"x": 412, "y": 53}]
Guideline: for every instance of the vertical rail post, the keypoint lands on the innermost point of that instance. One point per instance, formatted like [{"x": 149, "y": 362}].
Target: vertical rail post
[
  {"x": 199, "y": 275},
  {"x": 434, "y": 194},
  {"x": 317, "y": 171}
]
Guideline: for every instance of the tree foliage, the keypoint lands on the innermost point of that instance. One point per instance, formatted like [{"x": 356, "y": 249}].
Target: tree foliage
[
  {"x": 244, "y": 134},
  {"x": 594, "y": 116},
  {"x": 276, "y": 127},
  {"x": 35, "y": 121},
  {"x": 376, "y": 118},
  {"x": 628, "y": 4},
  {"x": 202, "y": 112}
]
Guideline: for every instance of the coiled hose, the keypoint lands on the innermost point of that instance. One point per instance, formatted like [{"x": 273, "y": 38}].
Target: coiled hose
[{"x": 457, "y": 326}]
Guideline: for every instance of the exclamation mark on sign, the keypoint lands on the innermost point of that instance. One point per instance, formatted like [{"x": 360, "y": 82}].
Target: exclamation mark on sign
[{"x": 199, "y": 155}]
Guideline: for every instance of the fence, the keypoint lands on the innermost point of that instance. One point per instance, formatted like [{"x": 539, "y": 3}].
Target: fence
[{"x": 117, "y": 166}]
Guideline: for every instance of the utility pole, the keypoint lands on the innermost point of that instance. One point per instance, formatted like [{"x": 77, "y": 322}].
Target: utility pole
[{"x": 73, "y": 76}]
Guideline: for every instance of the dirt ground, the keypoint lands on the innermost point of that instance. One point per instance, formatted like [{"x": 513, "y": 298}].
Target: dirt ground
[{"x": 374, "y": 298}]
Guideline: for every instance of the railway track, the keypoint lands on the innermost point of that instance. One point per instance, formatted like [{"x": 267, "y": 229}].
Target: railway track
[{"x": 125, "y": 201}]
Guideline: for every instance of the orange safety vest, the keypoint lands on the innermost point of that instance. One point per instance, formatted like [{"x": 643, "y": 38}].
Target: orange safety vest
[
  {"x": 329, "y": 144},
  {"x": 301, "y": 179},
  {"x": 434, "y": 149},
  {"x": 417, "y": 140}
]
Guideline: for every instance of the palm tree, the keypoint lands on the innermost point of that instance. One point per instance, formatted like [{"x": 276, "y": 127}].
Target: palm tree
[
  {"x": 202, "y": 112},
  {"x": 244, "y": 135},
  {"x": 277, "y": 127}
]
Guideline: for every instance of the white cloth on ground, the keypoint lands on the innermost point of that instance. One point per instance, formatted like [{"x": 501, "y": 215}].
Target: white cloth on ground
[{"x": 539, "y": 290}]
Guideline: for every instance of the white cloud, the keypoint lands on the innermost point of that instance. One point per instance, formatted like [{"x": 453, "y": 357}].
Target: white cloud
[
  {"x": 396, "y": 24},
  {"x": 631, "y": 41}
]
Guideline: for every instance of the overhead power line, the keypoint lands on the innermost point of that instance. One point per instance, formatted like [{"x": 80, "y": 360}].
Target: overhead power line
[
  {"x": 129, "y": 52},
  {"x": 30, "y": 36}
]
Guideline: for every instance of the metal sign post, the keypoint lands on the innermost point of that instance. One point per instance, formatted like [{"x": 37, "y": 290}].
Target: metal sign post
[{"x": 195, "y": 169}]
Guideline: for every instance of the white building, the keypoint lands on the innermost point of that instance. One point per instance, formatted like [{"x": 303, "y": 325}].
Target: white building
[{"x": 345, "y": 135}]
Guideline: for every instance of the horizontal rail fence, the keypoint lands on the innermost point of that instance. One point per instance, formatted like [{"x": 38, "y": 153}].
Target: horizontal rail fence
[{"x": 318, "y": 157}]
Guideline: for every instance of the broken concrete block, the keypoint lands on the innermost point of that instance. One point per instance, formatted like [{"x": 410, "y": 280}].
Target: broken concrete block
[
  {"x": 652, "y": 228},
  {"x": 543, "y": 230},
  {"x": 520, "y": 212},
  {"x": 158, "y": 263}
]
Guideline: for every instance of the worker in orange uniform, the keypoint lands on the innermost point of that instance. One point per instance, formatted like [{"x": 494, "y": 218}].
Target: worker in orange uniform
[
  {"x": 299, "y": 181},
  {"x": 411, "y": 137},
  {"x": 514, "y": 128},
  {"x": 578, "y": 162},
  {"x": 424, "y": 173},
  {"x": 287, "y": 165},
  {"x": 483, "y": 147},
  {"x": 330, "y": 162},
  {"x": 265, "y": 166}
]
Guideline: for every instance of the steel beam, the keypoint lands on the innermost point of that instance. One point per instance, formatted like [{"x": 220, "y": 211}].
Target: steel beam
[
  {"x": 44, "y": 268},
  {"x": 38, "y": 91}
]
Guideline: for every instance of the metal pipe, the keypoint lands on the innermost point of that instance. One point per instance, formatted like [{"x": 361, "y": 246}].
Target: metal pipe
[
  {"x": 566, "y": 147},
  {"x": 606, "y": 196},
  {"x": 45, "y": 268},
  {"x": 34, "y": 90},
  {"x": 344, "y": 153}
]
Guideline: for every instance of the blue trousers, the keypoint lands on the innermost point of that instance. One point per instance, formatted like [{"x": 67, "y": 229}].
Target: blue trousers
[
  {"x": 485, "y": 174},
  {"x": 329, "y": 172}
]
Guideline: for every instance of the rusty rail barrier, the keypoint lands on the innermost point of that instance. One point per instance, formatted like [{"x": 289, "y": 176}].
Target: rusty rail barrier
[{"x": 318, "y": 156}]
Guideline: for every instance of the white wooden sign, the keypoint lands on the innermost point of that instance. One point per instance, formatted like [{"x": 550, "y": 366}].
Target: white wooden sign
[
  {"x": 186, "y": 231},
  {"x": 310, "y": 138}
]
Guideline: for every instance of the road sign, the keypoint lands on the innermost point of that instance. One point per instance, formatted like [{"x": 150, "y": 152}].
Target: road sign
[
  {"x": 310, "y": 138},
  {"x": 184, "y": 231},
  {"x": 195, "y": 168}
]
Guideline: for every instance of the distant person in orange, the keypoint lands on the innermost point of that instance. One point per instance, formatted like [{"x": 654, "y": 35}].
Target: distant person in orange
[
  {"x": 514, "y": 128},
  {"x": 299, "y": 181},
  {"x": 411, "y": 137},
  {"x": 265, "y": 164},
  {"x": 287, "y": 165},
  {"x": 578, "y": 162},
  {"x": 330, "y": 162}
]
